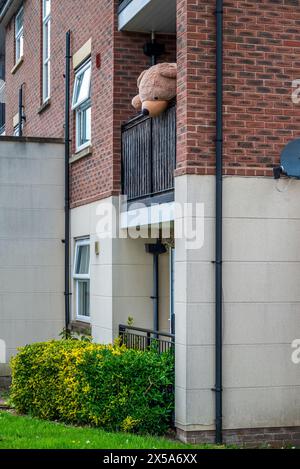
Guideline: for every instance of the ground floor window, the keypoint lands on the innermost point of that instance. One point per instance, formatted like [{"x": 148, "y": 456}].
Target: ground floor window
[{"x": 82, "y": 279}]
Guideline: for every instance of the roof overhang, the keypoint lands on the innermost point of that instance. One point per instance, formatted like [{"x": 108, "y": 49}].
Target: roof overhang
[
  {"x": 7, "y": 9},
  {"x": 147, "y": 16}
]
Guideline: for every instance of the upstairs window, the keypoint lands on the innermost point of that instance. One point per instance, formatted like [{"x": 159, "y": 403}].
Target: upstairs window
[
  {"x": 19, "y": 34},
  {"x": 46, "y": 48},
  {"x": 82, "y": 279},
  {"x": 81, "y": 104}
]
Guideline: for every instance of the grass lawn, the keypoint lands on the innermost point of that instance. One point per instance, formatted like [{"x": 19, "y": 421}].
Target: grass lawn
[{"x": 28, "y": 433}]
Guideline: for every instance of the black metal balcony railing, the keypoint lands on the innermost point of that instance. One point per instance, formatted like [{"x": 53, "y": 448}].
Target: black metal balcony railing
[
  {"x": 146, "y": 339},
  {"x": 149, "y": 155}
]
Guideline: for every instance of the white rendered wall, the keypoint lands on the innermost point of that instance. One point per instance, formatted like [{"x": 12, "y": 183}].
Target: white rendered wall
[
  {"x": 121, "y": 276},
  {"x": 261, "y": 291},
  {"x": 31, "y": 248}
]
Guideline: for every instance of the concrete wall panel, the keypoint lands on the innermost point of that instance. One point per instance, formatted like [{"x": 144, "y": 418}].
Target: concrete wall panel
[
  {"x": 31, "y": 248},
  {"x": 261, "y": 305}
]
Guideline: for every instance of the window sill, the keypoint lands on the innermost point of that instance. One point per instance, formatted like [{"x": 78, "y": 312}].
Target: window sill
[
  {"x": 88, "y": 151},
  {"x": 44, "y": 106},
  {"x": 81, "y": 327},
  {"x": 18, "y": 65}
]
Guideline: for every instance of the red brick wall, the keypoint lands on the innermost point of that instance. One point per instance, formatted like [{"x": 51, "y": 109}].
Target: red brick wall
[
  {"x": 196, "y": 78},
  {"x": 261, "y": 58},
  {"x": 113, "y": 86}
]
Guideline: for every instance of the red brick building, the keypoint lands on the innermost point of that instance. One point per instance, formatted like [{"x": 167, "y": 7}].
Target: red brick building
[
  {"x": 113, "y": 85},
  {"x": 261, "y": 217}
]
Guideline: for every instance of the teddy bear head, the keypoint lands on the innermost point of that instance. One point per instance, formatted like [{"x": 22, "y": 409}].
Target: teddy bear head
[{"x": 157, "y": 86}]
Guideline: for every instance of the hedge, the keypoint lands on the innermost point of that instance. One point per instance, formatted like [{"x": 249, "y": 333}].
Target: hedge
[{"x": 85, "y": 383}]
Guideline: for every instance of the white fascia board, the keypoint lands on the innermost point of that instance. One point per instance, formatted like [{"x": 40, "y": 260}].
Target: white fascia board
[
  {"x": 129, "y": 12},
  {"x": 146, "y": 216}
]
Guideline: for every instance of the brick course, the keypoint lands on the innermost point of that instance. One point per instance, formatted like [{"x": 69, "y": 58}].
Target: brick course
[{"x": 277, "y": 437}]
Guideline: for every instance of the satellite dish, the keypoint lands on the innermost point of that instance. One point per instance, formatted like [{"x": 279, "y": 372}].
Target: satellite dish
[{"x": 290, "y": 159}]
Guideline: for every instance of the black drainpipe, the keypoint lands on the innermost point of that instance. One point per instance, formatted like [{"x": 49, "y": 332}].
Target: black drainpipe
[
  {"x": 155, "y": 296},
  {"x": 153, "y": 57},
  {"x": 21, "y": 111},
  {"x": 156, "y": 250},
  {"x": 219, "y": 216},
  {"x": 153, "y": 49},
  {"x": 67, "y": 181}
]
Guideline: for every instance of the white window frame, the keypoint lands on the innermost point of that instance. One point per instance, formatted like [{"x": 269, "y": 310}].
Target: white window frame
[
  {"x": 81, "y": 106},
  {"x": 19, "y": 36},
  {"x": 17, "y": 130},
  {"x": 79, "y": 277},
  {"x": 46, "y": 52}
]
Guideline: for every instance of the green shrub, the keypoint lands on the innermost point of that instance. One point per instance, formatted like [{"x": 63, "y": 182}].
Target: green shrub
[{"x": 107, "y": 386}]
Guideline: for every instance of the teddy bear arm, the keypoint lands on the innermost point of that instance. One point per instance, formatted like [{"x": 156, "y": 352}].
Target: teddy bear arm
[{"x": 137, "y": 103}]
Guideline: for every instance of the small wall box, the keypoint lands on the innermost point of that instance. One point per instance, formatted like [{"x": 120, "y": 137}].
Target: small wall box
[{"x": 97, "y": 248}]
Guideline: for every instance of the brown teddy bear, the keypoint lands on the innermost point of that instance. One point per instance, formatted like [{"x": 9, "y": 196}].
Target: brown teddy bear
[{"x": 157, "y": 86}]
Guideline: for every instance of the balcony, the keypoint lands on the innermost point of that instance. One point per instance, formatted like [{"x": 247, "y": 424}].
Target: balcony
[
  {"x": 146, "y": 339},
  {"x": 147, "y": 15},
  {"x": 149, "y": 158}
]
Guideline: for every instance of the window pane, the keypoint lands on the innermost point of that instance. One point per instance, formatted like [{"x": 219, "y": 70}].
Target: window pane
[
  {"x": 46, "y": 81},
  {"x": 84, "y": 126},
  {"x": 21, "y": 45},
  {"x": 83, "y": 91},
  {"x": 83, "y": 259},
  {"x": 19, "y": 21},
  {"x": 47, "y": 40},
  {"x": 81, "y": 128},
  {"x": 83, "y": 298},
  {"x": 46, "y": 58},
  {"x": 19, "y": 48},
  {"x": 88, "y": 120},
  {"x": 46, "y": 8},
  {"x": 82, "y": 86}
]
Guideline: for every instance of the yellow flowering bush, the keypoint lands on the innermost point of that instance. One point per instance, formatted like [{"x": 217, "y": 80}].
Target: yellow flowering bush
[{"x": 85, "y": 383}]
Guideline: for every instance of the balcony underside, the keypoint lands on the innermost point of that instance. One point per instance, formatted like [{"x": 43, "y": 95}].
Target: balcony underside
[{"x": 147, "y": 16}]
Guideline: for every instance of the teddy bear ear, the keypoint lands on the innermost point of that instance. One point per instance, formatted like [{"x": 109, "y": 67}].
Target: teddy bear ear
[
  {"x": 168, "y": 70},
  {"x": 140, "y": 78}
]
